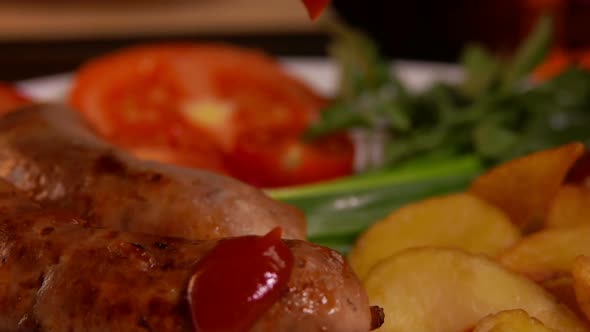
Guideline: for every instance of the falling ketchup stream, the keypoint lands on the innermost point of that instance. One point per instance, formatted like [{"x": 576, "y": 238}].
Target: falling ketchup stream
[
  {"x": 238, "y": 281},
  {"x": 315, "y": 7}
]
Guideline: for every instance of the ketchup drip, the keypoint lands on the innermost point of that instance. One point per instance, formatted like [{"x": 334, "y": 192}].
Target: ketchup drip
[
  {"x": 315, "y": 7},
  {"x": 580, "y": 172},
  {"x": 238, "y": 281}
]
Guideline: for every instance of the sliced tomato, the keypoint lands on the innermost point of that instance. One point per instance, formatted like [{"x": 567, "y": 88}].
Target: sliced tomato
[
  {"x": 184, "y": 93},
  {"x": 315, "y": 7},
  {"x": 162, "y": 92},
  {"x": 10, "y": 98},
  {"x": 267, "y": 160},
  {"x": 190, "y": 98}
]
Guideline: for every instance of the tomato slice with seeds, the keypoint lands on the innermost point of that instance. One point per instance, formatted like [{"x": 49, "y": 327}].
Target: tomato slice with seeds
[
  {"x": 275, "y": 160},
  {"x": 158, "y": 92},
  {"x": 10, "y": 98},
  {"x": 190, "y": 97}
]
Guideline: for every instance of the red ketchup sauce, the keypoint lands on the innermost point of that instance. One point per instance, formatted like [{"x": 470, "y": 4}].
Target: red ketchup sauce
[
  {"x": 315, "y": 7},
  {"x": 238, "y": 281}
]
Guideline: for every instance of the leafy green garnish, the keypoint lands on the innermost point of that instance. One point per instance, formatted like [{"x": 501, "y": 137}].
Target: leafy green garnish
[
  {"x": 482, "y": 70},
  {"x": 530, "y": 54},
  {"x": 439, "y": 138},
  {"x": 494, "y": 112}
]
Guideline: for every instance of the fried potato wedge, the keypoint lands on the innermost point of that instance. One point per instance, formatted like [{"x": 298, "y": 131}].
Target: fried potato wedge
[
  {"x": 549, "y": 253},
  {"x": 450, "y": 290},
  {"x": 524, "y": 187},
  {"x": 511, "y": 321},
  {"x": 581, "y": 274},
  {"x": 570, "y": 207},
  {"x": 457, "y": 220}
]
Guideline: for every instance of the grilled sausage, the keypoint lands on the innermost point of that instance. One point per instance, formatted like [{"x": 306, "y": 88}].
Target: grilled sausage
[
  {"x": 48, "y": 152},
  {"x": 57, "y": 274}
]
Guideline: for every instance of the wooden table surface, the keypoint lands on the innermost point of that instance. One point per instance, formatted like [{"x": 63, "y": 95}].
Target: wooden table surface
[
  {"x": 44, "y": 38},
  {"x": 54, "y": 20}
]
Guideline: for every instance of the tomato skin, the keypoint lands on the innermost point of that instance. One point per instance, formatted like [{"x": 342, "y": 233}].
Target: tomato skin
[
  {"x": 10, "y": 98},
  {"x": 269, "y": 161},
  {"x": 161, "y": 96},
  {"x": 315, "y": 7},
  {"x": 141, "y": 91}
]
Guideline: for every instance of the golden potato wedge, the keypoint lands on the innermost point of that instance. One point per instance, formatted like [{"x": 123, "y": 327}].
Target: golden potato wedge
[
  {"x": 581, "y": 274},
  {"x": 549, "y": 253},
  {"x": 450, "y": 290},
  {"x": 570, "y": 207},
  {"x": 458, "y": 220},
  {"x": 511, "y": 321},
  {"x": 524, "y": 187}
]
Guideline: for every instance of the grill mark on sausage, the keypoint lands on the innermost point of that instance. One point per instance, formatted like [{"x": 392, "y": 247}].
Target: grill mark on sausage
[
  {"x": 109, "y": 163},
  {"x": 47, "y": 230},
  {"x": 160, "y": 245}
]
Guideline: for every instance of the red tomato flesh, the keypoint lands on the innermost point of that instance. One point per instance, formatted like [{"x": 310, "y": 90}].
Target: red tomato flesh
[
  {"x": 163, "y": 92},
  {"x": 192, "y": 105},
  {"x": 276, "y": 161}
]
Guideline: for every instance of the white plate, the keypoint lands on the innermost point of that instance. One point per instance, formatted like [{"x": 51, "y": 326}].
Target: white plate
[{"x": 319, "y": 73}]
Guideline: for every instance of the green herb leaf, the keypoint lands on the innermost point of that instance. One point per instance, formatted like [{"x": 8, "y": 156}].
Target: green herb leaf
[
  {"x": 482, "y": 70},
  {"x": 336, "y": 118},
  {"x": 531, "y": 53}
]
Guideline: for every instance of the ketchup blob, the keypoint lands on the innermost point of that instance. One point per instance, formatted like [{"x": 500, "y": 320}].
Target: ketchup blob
[{"x": 238, "y": 281}]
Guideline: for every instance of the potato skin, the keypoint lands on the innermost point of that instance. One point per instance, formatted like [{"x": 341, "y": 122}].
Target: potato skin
[
  {"x": 524, "y": 187},
  {"x": 448, "y": 290},
  {"x": 511, "y": 320},
  {"x": 459, "y": 220},
  {"x": 48, "y": 152}
]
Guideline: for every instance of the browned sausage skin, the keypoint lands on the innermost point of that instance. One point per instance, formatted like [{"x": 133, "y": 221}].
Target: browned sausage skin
[
  {"x": 47, "y": 151},
  {"x": 57, "y": 275}
]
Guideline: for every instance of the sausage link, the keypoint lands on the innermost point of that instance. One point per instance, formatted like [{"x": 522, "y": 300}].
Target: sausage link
[
  {"x": 48, "y": 152},
  {"x": 57, "y": 274}
]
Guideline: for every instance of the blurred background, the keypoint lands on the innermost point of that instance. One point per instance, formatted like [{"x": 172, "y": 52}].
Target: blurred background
[{"x": 44, "y": 37}]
